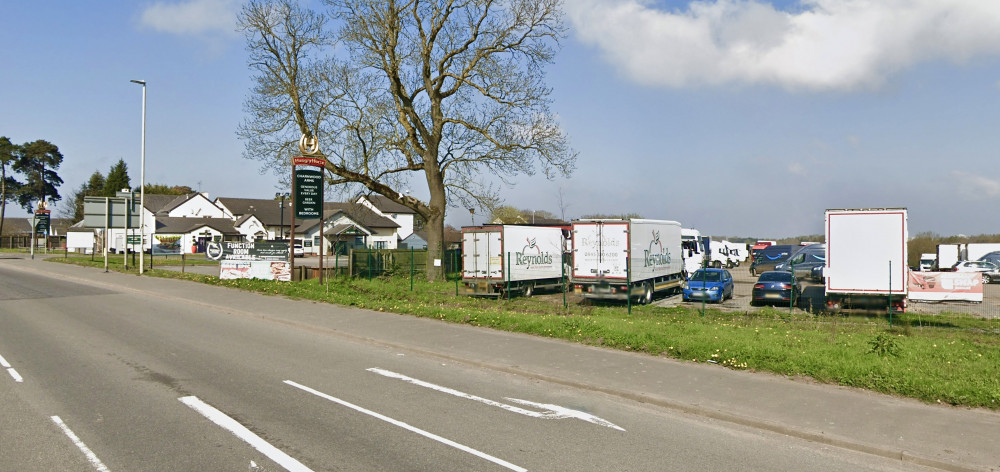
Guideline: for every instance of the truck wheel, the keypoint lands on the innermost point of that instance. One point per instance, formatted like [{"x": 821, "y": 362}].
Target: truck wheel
[
  {"x": 647, "y": 294},
  {"x": 529, "y": 290}
]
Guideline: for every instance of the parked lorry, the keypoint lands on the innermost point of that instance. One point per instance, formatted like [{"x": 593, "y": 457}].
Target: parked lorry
[
  {"x": 866, "y": 257},
  {"x": 616, "y": 259},
  {"x": 928, "y": 262},
  {"x": 693, "y": 250},
  {"x": 505, "y": 259}
]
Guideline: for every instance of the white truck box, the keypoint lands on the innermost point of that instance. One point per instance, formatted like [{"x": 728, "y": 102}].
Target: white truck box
[
  {"x": 615, "y": 258},
  {"x": 522, "y": 257},
  {"x": 948, "y": 255},
  {"x": 866, "y": 253},
  {"x": 973, "y": 251},
  {"x": 928, "y": 261}
]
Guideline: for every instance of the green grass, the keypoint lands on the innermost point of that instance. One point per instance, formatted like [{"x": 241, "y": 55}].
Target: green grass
[{"x": 946, "y": 358}]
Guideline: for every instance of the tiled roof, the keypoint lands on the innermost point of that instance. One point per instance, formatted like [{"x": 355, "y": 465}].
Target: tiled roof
[
  {"x": 387, "y": 206},
  {"x": 177, "y": 225}
]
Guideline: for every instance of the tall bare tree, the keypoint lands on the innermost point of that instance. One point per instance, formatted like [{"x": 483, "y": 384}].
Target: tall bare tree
[{"x": 450, "y": 91}]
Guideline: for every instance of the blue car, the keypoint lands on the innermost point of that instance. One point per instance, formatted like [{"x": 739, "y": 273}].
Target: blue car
[{"x": 713, "y": 285}]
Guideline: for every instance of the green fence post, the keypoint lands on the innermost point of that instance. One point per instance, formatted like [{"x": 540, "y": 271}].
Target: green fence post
[
  {"x": 704, "y": 275},
  {"x": 562, "y": 280},
  {"x": 890, "y": 294},
  {"x": 508, "y": 276},
  {"x": 791, "y": 294},
  {"x": 369, "y": 264},
  {"x": 458, "y": 276},
  {"x": 411, "y": 269}
]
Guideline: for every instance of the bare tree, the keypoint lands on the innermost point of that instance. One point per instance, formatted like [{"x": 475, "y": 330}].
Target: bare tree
[{"x": 448, "y": 90}]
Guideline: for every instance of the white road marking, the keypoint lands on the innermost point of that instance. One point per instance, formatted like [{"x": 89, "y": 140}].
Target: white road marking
[
  {"x": 13, "y": 373},
  {"x": 407, "y": 427},
  {"x": 94, "y": 461},
  {"x": 223, "y": 420},
  {"x": 3, "y": 362},
  {"x": 553, "y": 411}
]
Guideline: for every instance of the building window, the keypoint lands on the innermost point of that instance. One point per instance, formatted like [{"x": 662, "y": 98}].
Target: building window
[{"x": 380, "y": 244}]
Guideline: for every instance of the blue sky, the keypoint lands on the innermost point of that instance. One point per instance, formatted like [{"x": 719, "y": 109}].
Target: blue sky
[{"x": 745, "y": 118}]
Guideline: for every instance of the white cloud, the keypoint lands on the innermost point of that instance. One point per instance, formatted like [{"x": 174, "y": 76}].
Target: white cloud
[
  {"x": 193, "y": 17},
  {"x": 975, "y": 186},
  {"x": 796, "y": 168},
  {"x": 818, "y": 44}
]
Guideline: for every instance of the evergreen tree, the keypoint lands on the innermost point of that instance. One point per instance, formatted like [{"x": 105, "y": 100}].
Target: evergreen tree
[
  {"x": 117, "y": 179},
  {"x": 8, "y": 184},
  {"x": 38, "y": 162}
]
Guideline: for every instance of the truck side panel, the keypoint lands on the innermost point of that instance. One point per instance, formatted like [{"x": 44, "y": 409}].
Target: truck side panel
[
  {"x": 655, "y": 249},
  {"x": 535, "y": 252}
]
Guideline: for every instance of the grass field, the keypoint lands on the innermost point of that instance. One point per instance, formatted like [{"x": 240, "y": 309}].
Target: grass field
[{"x": 945, "y": 358}]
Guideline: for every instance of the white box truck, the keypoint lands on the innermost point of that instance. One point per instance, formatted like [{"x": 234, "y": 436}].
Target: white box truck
[
  {"x": 505, "y": 259},
  {"x": 866, "y": 257},
  {"x": 615, "y": 259}
]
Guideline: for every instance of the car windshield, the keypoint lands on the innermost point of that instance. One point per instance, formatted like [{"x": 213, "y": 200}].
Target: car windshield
[
  {"x": 702, "y": 276},
  {"x": 775, "y": 277}
]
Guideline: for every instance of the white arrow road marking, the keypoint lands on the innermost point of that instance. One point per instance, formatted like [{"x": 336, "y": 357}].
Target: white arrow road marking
[
  {"x": 551, "y": 411},
  {"x": 10, "y": 370},
  {"x": 407, "y": 427}
]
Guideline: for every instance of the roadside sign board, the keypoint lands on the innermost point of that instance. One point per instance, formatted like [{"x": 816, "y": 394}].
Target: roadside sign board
[
  {"x": 308, "y": 194},
  {"x": 42, "y": 221},
  {"x": 111, "y": 212},
  {"x": 133, "y": 239}
]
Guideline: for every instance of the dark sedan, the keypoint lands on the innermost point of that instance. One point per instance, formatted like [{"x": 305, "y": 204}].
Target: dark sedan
[{"x": 775, "y": 287}]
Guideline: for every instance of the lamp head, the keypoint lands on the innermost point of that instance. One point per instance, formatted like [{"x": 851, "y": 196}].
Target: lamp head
[{"x": 140, "y": 82}]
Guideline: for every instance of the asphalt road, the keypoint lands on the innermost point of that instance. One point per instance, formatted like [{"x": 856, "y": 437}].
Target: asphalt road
[{"x": 107, "y": 371}]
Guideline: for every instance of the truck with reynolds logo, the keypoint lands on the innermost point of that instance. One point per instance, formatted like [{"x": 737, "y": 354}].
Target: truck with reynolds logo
[
  {"x": 866, "y": 258},
  {"x": 617, "y": 259},
  {"x": 500, "y": 260}
]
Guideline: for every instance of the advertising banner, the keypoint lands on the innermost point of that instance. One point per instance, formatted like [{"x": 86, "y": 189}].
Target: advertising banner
[
  {"x": 248, "y": 251},
  {"x": 166, "y": 244},
  {"x": 266, "y": 270},
  {"x": 946, "y": 286}
]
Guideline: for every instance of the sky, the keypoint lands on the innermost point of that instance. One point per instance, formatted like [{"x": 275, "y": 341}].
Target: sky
[{"x": 735, "y": 117}]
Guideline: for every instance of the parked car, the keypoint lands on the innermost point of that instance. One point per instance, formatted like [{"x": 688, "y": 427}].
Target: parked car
[
  {"x": 769, "y": 257},
  {"x": 298, "y": 251},
  {"x": 989, "y": 270},
  {"x": 713, "y": 285},
  {"x": 993, "y": 257},
  {"x": 774, "y": 287},
  {"x": 805, "y": 260}
]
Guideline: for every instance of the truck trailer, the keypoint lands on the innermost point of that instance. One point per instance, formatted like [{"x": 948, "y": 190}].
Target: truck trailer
[
  {"x": 501, "y": 260},
  {"x": 617, "y": 259},
  {"x": 866, "y": 257}
]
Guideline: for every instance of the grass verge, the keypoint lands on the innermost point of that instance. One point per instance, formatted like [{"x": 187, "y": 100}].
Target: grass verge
[{"x": 945, "y": 358}]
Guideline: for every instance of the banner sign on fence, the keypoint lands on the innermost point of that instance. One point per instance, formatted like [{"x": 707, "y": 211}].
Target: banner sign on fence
[
  {"x": 248, "y": 251},
  {"x": 166, "y": 244},
  {"x": 267, "y": 270},
  {"x": 946, "y": 286}
]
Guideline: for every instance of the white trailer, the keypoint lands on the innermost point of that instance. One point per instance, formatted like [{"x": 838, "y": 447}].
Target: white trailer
[
  {"x": 504, "y": 259},
  {"x": 617, "y": 259},
  {"x": 948, "y": 255},
  {"x": 973, "y": 251},
  {"x": 866, "y": 257}
]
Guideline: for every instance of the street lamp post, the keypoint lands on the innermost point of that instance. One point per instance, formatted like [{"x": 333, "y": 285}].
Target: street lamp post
[
  {"x": 142, "y": 185},
  {"x": 281, "y": 204}
]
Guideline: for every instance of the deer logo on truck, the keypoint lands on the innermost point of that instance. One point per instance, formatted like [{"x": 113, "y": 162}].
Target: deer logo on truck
[
  {"x": 532, "y": 255},
  {"x": 656, "y": 255}
]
